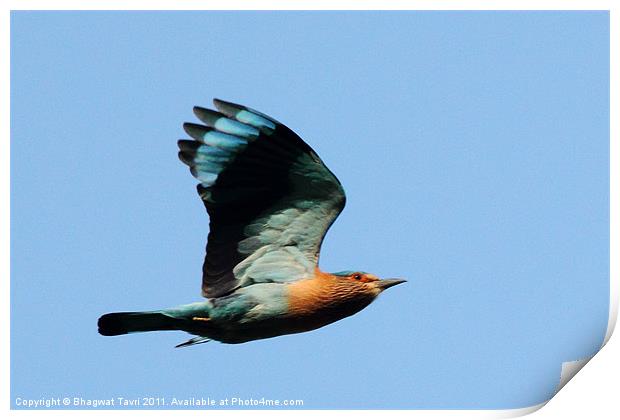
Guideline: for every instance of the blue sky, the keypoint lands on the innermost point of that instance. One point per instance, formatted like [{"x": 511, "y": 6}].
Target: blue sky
[{"x": 473, "y": 147}]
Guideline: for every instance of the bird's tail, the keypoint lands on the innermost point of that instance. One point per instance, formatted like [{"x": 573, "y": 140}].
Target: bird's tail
[{"x": 119, "y": 323}]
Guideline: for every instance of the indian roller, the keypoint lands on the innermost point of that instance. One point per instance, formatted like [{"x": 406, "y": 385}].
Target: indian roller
[{"x": 270, "y": 201}]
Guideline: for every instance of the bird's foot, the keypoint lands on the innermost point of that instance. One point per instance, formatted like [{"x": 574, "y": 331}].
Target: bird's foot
[{"x": 193, "y": 341}]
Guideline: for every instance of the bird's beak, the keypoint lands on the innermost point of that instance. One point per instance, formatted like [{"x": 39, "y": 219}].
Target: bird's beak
[{"x": 387, "y": 283}]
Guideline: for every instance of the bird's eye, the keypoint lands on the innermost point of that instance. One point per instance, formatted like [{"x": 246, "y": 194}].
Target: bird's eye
[{"x": 357, "y": 276}]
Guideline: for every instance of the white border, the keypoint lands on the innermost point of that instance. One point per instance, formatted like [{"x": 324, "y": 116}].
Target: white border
[{"x": 568, "y": 368}]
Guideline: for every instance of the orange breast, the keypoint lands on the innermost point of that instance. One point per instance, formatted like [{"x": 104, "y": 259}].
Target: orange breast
[
  {"x": 327, "y": 297},
  {"x": 309, "y": 296},
  {"x": 324, "y": 299}
]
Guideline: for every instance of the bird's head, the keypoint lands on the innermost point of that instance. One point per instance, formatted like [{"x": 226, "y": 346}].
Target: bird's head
[{"x": 371, "y": 283}]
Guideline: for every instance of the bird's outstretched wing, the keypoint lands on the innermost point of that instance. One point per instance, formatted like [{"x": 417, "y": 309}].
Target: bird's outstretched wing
[{"x": 269, "y": 197}]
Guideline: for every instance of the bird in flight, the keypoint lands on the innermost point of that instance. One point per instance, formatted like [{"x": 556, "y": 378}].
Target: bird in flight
[{"x": 270, "y": 201}]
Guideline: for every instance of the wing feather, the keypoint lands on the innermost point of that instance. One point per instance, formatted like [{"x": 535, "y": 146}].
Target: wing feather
[{"x": 269, "y": 197}]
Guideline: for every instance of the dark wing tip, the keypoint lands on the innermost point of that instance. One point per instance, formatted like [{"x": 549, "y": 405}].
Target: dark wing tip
[
  {"x": 195, "y": 131},
  {"x": 186, "y": 158},
  {"x": 217, "y": 102},
  {"x": 197, "y": 109},
  {"x": 188, "y": 145},
  {"x": 227, "y": 108},
  {"x": 207, "y": 116}
]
